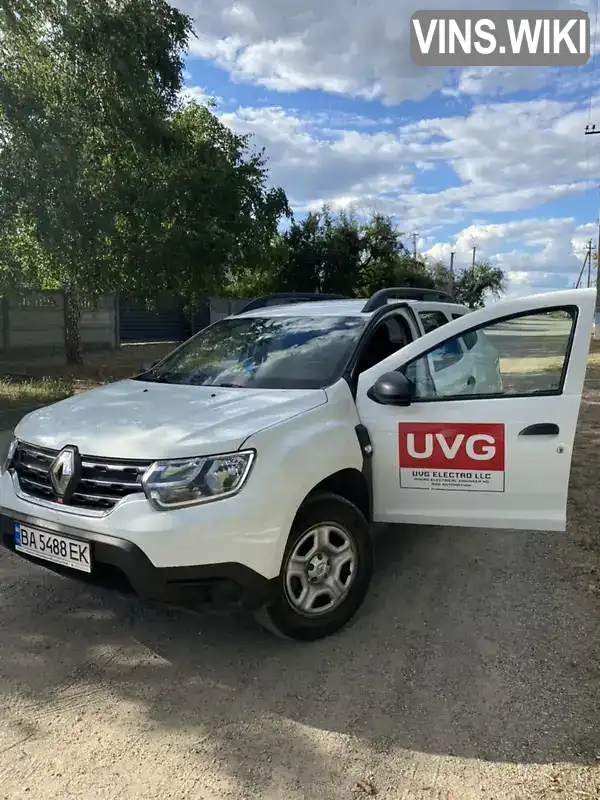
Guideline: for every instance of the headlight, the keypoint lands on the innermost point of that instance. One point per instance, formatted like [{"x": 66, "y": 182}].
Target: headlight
[
  {"x": 9, "y": 456},
  {"x": 189, "y": 481}
]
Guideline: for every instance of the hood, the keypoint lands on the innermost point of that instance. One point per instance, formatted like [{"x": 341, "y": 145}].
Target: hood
[{"x": 139, "y": 420}]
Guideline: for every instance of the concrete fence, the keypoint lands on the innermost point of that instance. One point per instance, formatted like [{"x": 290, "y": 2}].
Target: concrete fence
[
  {"x": 36, "y": 322},
  {"x": 221, "y": 307}
]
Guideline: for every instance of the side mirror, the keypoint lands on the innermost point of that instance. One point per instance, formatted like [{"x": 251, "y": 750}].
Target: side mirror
[{"x": 392, "y": 389}]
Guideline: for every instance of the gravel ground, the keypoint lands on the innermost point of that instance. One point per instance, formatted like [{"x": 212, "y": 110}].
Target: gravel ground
[{"x": 471, "y": 672}]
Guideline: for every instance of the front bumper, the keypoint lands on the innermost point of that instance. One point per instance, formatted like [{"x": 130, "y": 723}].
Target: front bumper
[
  {"x": 121, "y": 565},
  {"x": 243, "y": 528}
]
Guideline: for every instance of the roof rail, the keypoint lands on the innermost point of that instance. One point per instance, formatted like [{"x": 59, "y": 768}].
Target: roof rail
[
  {"x": 285, "y": 298},
  {"x": 380, "y": 298}
]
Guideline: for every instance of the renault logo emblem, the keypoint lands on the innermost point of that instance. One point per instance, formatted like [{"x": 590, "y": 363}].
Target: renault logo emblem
[{"x": 65, "y": 473}]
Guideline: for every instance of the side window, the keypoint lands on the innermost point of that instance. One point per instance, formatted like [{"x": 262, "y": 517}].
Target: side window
[
  {"x": 517, "y": 357},
  {"x": 432, "y": 320}
]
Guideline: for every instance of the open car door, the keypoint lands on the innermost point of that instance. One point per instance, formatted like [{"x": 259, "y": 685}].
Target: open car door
[{"x": 473, "y": 424}]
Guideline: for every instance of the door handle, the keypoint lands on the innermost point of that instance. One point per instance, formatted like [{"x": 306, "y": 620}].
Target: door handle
[
  {"x": 541, "y": 429},
  {"x": 470, "y": 381}
]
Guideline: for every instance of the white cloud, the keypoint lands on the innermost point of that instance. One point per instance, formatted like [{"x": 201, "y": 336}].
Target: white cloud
[
  {"x": 376, "y": 171},
  {"x": 539, "y": 144},
  {"x": 200, "y": 95},
  {"x": 351, "y": 168},
  {"x": 359, "y": 49},
  {"x": 499, "y": 158},
  {"x": 536, "y": 254},
  {"x": 489, "y": 81},
  {"x": 317, "y": 161}
]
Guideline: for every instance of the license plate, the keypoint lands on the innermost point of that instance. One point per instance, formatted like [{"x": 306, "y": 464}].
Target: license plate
[{"x": 61, "y": 550}]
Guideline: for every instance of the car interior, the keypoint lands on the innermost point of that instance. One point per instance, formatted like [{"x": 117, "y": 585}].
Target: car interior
[{"x": 388, "y": 337}]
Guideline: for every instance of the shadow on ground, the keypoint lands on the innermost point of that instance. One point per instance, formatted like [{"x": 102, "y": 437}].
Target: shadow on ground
[
  {"x": 475, "y": 645},
  {"x": 470, "y": 644}
]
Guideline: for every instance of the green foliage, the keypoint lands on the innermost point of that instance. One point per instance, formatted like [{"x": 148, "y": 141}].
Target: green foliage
[
  {"x": 201, "y": 212},
  {"x": 335, "y": 254},
  {"x": 85, "y": 90},
  {"x": 441, "y": 275},
  {"x": 106, "y": 181},
  {"x": 477, "y": 282}
]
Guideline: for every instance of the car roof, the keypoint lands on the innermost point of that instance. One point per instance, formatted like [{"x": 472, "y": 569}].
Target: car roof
[{"x": 344, "y": 308}]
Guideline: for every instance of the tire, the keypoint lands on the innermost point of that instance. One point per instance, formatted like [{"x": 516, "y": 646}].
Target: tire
[{"x": 327, "y": 571}]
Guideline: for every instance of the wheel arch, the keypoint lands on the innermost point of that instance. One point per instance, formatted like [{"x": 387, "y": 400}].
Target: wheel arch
[{"x": 351, "y": 484}]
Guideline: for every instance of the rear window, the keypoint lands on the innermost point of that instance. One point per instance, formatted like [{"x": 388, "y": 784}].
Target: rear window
[{"x": 432, "y": 320}]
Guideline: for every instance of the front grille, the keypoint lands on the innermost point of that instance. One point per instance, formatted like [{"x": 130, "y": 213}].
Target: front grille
[{"x": 104, "y": 481}]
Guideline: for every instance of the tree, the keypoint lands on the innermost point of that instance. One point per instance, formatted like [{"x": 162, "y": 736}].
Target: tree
[
  {"x": 386, "y": 260},
  {"x": 440, "y": 275},
  {"x": 106, "y": 181},
  {"x": 85, "y": 89},
  {"x": 337, "y": 254},
  {"x": 204, "y": 216},
  {"x": 477, "y": 282},
  {"x": 298, "y": 257}
]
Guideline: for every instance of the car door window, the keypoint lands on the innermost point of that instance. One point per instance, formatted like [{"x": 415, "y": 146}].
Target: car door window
[{"x": 516, "y": 357}]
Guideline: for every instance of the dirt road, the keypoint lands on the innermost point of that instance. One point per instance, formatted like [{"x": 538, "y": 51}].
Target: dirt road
[{"x": 473, "y": 671}]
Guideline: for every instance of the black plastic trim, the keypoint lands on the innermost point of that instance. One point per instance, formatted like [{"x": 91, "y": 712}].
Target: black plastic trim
[
  {"x": 541, "y": 429},
  {"x": 364, "y": 440},
  {"x": 193, "y": 587},
  {"x": 291, "y": 297},
  {"x": 381, "y": 297}
]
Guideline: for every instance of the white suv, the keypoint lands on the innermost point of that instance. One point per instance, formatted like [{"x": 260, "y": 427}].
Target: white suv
[{"x": 246, "y": 468}]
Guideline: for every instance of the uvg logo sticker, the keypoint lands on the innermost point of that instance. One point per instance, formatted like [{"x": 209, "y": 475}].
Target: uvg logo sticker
[{"x": 458, "y": 456}]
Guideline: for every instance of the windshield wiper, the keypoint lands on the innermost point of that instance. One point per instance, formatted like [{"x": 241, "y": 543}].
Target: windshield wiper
[{"x": 149, "y": 378}]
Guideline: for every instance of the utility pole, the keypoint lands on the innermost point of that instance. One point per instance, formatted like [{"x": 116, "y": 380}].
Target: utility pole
[
  {"x": 414, "y": 241},
  {"x": 586, "y": 262},
  {"x": 589, "y": 260},
  {"x": 452, "y": 270},
  {"x": 474, "y": 251}
]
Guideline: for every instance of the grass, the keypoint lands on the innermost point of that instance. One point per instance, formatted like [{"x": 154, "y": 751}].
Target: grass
[
  {"x": 544, "y": 363},
  {"x": 47, "y": 379},
  {"x": 34, "y": 392}
]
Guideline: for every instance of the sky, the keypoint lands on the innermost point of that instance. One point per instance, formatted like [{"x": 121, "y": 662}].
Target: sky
[{"x": 492, "y": 158}]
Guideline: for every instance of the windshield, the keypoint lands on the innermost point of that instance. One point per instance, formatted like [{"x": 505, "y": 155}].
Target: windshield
[{"x": 263, "y": 353}]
